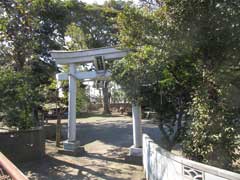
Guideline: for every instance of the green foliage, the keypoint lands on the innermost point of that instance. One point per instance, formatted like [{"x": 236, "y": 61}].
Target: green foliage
[
  {"x": 213, "y": 134},
  {"x": 152, "y": 74},
  {"x": 34, "y": 27},
  {"x": 136, "y": 70},
  {"x": 53, "y": 17},
  {"x": 18, "y": 98},
  {"x": 99, "y": 25},
  {"x": 29, "y": 30},
  {"x": 193, "y": 68},
  {"x": 209, "y": 29},
  {"x": 115, "y": 4},
  {"x": 17, "y": 33},
  {"x": 82, "y": 97},
  {"x": 75, "y": 38},
  {"x": 118, "y": 96}
]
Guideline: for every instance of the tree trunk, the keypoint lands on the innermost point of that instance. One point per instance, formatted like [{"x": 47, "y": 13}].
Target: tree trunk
[
  {"x": 35, "y": 116},
  {"x": 58, "y": 125},
  {"x": 58, "y": 130},
  {"x": 106, "y": 109},
  {"x": 169, "y": 140}
]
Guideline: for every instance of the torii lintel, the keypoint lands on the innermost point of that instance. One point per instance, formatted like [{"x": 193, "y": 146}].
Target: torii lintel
[{"x": 89, "y": 55}]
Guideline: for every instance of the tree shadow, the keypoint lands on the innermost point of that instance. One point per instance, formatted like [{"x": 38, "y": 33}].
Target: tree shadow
[
  {"x": 96, "y": 114},
  {"x": 51, "y": 168},
  {"x": 117, "y": 133},
  {"x": 105, "y": 158}
]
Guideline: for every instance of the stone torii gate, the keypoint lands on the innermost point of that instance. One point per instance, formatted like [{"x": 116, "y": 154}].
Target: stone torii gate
[{"x": 98, "y": 57}]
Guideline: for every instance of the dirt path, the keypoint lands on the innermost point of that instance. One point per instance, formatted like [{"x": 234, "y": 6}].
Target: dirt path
[{"x": 106, "y": 141}]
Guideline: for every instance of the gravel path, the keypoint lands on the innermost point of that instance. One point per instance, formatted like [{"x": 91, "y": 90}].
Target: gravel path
[{"x": 106, "y": 141}]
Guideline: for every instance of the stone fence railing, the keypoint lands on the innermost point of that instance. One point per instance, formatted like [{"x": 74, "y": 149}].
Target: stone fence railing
[{"x": 160, "y": 164}]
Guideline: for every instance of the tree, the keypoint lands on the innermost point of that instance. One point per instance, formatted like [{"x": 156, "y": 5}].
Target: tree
[
  {"x": 29, "y": 29},
  {"x": 75, "y": 38},
  {"x": 19, "y": 97},
  {"x": 53, "y": 92},
  {"x": 210, "y": 30},
  {"x": 54, "y": 18},
  {"x": 194, "y": 45},
  {"x": 149, "y": 75},
  {"x": 98, "y": 29},
  {"x": 99, "y": 26},
  {"x": 17, "y": 33}
]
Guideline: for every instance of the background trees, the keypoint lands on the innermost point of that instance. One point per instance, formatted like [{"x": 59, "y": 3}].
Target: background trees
[
  {"x": 29, "y": 29},
  {"x": 95, "y": 26},
  {"x": 19, "y": 60},
  {"x": 182, "y": 65},
  {"x": 153, "y": 73},
  {"x": 209, "y": 28}
]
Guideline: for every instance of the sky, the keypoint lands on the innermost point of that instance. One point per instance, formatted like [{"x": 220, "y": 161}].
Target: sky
[{"x": 99, "y": 1}]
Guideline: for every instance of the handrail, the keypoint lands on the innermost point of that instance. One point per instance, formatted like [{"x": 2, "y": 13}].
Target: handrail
[
  {"x": 162, "y": 164},
  {"x": 11, "y": 169}
]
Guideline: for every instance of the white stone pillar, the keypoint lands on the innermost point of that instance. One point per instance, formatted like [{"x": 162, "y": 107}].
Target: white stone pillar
[
  {"x": 137, "y": 128},
  {"x": 60, "y": 90},
  {"x": 72, "y": 92},
  {"x": 59, "y": 83}
]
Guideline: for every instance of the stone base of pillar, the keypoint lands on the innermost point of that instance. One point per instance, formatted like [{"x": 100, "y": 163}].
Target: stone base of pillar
[
  {"x": 133, "y": 151},
  {"x": 135, "y": 156},
  {"x": 72, "y": 148},
  {"x": 71, "y": 145}
]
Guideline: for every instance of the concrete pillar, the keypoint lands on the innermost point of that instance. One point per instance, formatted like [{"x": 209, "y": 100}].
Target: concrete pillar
[
  {"x": 136, "y": 148},
  {"x": 72, "y": 146},
  {"x": 60, "y": 90},
  {"x": 72, "y": 104},
  {"x": 59, "y": 83},
  {"x": 137, "y": 128}
]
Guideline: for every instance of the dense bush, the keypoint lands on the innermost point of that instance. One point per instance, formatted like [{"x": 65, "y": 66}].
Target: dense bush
[
  {"x": 19, "y": 99},
  {"x": 212, "y": 135}
]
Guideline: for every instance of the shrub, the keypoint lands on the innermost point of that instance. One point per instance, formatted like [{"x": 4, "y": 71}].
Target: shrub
[
  {"x": 18, "y": 99},
  {"x": 212, "y": 137}
]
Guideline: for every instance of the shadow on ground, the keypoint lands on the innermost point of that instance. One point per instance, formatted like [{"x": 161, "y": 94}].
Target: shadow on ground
[
  {"x": 51, "y": 169},
  {"x": 96, "y": 114},
  {"x": 107, "y": 141},
  {"x": 109, "y": 166},
  {"x": 117, "y": 133}
]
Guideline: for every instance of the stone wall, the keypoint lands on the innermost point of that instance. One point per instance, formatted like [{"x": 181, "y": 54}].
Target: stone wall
[
  {"x": 160, "y": 164},
  {"x": 22, "y": 146}
]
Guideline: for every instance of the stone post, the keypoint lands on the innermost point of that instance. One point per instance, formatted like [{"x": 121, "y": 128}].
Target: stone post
[
  {"x": 136, "y": 149},
  {"x": 71, "y": 146},
  {"x": 72, "y": 104}
]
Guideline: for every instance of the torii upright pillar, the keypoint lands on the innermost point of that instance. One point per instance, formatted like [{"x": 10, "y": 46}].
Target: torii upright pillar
[
  {"x": 136, "y": 148},
  {"x": 71, "y": 144}
]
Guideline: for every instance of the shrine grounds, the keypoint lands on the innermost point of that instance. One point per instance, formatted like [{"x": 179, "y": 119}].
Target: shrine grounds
[{"x": 106, "y": 141}]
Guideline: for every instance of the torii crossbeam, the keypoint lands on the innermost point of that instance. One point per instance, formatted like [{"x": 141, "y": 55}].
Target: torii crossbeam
[{"x": 71, "y": 58}]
